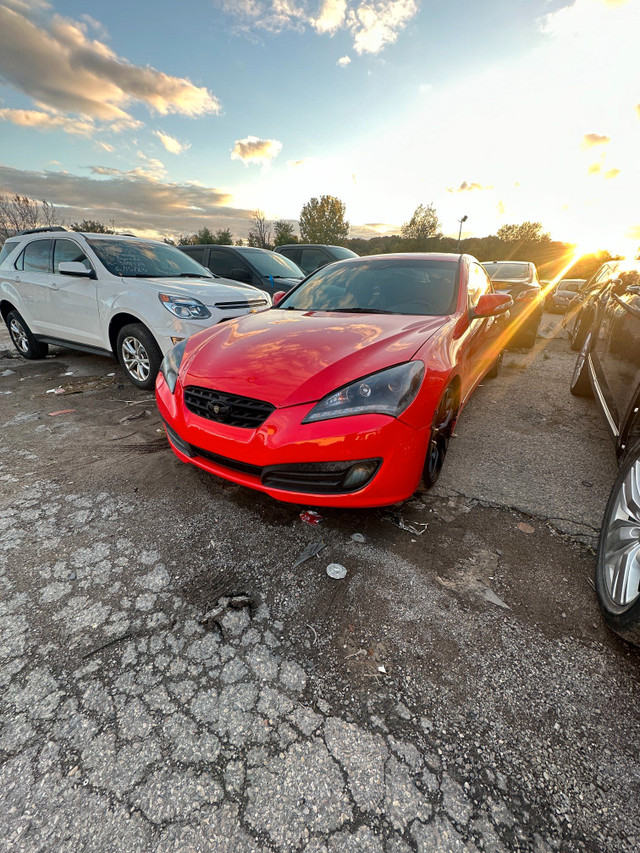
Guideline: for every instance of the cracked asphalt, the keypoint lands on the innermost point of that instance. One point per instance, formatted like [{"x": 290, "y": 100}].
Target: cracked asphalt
[{"x": 171, "y": 681}]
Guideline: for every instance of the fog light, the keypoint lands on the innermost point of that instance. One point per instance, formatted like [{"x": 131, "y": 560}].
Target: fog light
[
  {"x": 175, "y": 341},
  {"x": 359, "y": 474}
]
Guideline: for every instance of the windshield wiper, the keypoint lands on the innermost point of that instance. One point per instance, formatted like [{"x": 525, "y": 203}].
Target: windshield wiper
[{"x": 192, "y": 275}]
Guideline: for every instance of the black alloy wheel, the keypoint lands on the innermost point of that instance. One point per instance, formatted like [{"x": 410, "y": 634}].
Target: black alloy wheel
[{"x": 441, "y": 430}]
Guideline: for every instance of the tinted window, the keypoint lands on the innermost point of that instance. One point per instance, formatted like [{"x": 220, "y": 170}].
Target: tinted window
[
  {"x": 221, "y": 263},
  {"x": 292, "y": 254},
  {"x": 268, "y": 263},
  {"x": 340, "y": 253},
  {"x": 137, "y": 258},
  {"x": 390, "y": 286},
  {"x": 311, "y": 259},
  {"x": 6, "y": 251},
  {"x": 35, "y": 257},
  {"x": 506, "y": 270},
  {"x": 196, "y": 252},
  {"x": 66, "y": 251}
]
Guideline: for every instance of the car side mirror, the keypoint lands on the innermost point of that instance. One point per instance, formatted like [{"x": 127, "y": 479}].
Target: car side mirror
[
  {"x": 277, "y": 297},
  {"x": 618, "y": 286},
  {"x": 492, "y": 305},
  {"x": 76, "y": 268},
  {"x": 241, "y": 274}
]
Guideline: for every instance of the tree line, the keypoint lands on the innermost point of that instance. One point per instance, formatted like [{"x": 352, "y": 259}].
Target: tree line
[{"x": 323, "y": 220}]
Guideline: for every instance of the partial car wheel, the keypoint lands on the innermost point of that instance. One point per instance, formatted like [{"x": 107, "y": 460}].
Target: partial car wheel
[
  {"x": 495, "y": 367},
  {"x": 139, "y": 355},
  {"x": 23, "y": 338},
  {"x": 580, "y": 383},
  {"x": 580, "y": 330},
  {"x": 441, "y": 430},
  {"x": 618, "y": 561}
]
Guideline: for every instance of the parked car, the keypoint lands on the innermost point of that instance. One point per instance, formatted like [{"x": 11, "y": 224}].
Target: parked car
[
  {"x": 560, "y": 296},
  {"x": 111, "y": 295},
  {"x": 609, "y": 367},
  {"x": 519, "y": 279},
  {"x": 348, "y": 390},
  {"x": 311, "y": 256},
  {"x": 258, "y": 267},
  {"x": 579, "y": 315}
]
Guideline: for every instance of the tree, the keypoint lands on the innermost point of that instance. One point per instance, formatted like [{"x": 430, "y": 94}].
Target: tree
[
  {"x": 526, "y": 232},
  {"x": 424, "y": 223},
  {"x": 322, "y": 221},
  {"x": 224, "y": 237},
  {"x": 283, "y": 233},
  {"x": 260, "y": 234},
  {"x": 18, "y": 213},
  {"x": 203, "y": 236},
  {"x": 93, "y": 226}
]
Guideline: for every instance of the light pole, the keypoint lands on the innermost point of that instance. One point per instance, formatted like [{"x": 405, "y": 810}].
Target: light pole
[{"x": 464, "y": 219}]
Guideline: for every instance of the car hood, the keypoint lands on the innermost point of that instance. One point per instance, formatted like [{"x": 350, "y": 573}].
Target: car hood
[
  {"x": 293, "y": 357},
  {"x": 210, "y": 291}
]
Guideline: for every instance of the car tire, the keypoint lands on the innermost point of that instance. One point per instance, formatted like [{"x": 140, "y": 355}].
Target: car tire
[
  {"x": 441, "y": 430},
  {"x": 580, "y": 385},
  {"x": 527, "y": 338},
  {"x": 618, "y": 560},
  {"x": 580, "y": 331},
  {"x": 139, "y": 355},
  {"x": 495, "y": 367},
  {"x": 23, "y": 339}
]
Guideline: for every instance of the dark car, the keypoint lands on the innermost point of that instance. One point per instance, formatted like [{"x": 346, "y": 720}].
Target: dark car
[
  {"x": 608, "y": 367},
  {"x": 259, "y": 267},
  {"x": 562, "y": 294},
  {"x": 519, "y": 279},
  {"x": 311, "y": 256},
  {"x": 579, "y": 315}
]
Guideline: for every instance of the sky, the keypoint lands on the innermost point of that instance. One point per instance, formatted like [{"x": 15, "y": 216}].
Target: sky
[{"x": 163, "y": 117}]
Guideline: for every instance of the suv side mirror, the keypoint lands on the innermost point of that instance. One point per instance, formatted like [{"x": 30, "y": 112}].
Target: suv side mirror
[
  {"x": 491, "y": 305},
  {"x": 241, "y": 274},
  {"x": 76, "y": 268}
]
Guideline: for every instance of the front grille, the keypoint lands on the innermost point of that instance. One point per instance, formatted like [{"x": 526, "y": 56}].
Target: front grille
[
  {"x": 243, "y": 303},
  {"x": 320, "y": 478},
  {"x": 225, "y": 462},
  {"x": 230, "y": 409}
]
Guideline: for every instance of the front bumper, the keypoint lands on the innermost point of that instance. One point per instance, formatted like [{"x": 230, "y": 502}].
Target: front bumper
[{"x": 276, "y": 458}]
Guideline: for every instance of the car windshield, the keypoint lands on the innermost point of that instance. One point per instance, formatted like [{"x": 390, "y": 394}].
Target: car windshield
[
  {"x": 268, "y": 263},
  {"x": 340, "y": 253},
  {"x": 507, "y": 270},
  {"x": 389, "y": 286},
  {"x": 141, "y": 259}
]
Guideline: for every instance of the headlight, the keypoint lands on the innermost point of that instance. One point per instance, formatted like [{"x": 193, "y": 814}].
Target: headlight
[
  {"x": 184, "y": 307},
  {"x": 171, "y": 365},
  {"x": 389, "y": 392}
]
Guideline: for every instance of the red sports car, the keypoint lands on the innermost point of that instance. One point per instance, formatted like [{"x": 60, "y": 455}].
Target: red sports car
[{"x": 346, "y": 392}]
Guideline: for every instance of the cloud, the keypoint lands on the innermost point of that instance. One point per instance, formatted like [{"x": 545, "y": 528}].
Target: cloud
[
  {"x": 55, "y": 62},
  {"x": 133, "y": 199},
  {"x": 40, "y": 120},
  {"x": 173, "y": 145},
  {"x": 255, "y": 150},
  {"x": 104, "y": 146},
  {"x": 297, "y": 164},
  {"x": 343, "y": 61},
  {"x": 466, "y": 187},
  {"x": 373, "y": 24},
  {"x": 590, "y": 140},
  {"x": 611, "y": 173},
  {"x": 594, "y": 169}
]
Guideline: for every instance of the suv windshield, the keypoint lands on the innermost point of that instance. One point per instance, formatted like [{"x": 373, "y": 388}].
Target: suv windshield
[
  {"x": 139, "y": 259},
  {"x": 341, "y": 253},
  {"x": 392, "y": 286},
  {"x": 268, "y": 263},
  {"x": 507, "y": 270}
]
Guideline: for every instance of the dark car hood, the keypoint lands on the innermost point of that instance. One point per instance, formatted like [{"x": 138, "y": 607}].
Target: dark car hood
[
  {"x": 292, "y": 357},
  {"x": 281, "y": 283}
]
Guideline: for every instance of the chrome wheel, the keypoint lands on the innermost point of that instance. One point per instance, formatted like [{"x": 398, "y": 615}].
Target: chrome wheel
[
  {"x": 18, "y": 336},
  {"x": 621, "y": 551},
  {"x": 136, "y": 359}
]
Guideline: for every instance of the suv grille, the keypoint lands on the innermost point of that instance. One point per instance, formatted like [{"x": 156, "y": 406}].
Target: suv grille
[
  {"x": 243, "y": 303},
  {"x": 229, "y": 409}
]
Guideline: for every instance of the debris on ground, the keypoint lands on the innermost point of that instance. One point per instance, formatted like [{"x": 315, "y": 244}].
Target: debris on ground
[
  {"x": 61, "y": 412},
  {"x": 312, "y": 550},
  {"x": 7, "y": 372},
  {"x": 336, "y": 571},
  {"x": 310, "y": 516},
  {"x": 59, "y": 390},
  {"x": 415, "y": 527},
  {"x": 358, "y": 537},
  {"x": 526, "y": 528},
  {"x": 132, "y": 417},
  {"x": 490, "y": 596}
]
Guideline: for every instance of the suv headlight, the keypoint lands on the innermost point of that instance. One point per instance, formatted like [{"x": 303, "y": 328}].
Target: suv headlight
[
  {"x": 184, "y": 307},
  {"x": 388, "y": 392},
  {"x": 170, "y": 366}
]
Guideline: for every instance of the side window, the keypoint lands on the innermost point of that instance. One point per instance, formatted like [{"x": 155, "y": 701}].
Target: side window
[
  {"x": 293, "y": 255},
  {"x": 197, "y": 253},
  {"x": 6, "y": 251},
  {"x": 478, "y": 284},
  {"x": 36, "y": 256},
  {"x": 221, "y": 263},
  {"x": 68, "y": 250},
  {"x": 312, "y": 259}
]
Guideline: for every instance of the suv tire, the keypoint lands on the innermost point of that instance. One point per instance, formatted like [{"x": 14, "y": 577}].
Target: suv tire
[
  {"x": 23, "y": 339},
  {"x": 139, "y": 355},
  {"x": 580, "y": 383}
]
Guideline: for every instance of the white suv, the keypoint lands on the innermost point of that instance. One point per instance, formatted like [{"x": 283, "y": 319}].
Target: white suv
[{"x": 111, "y": 294}]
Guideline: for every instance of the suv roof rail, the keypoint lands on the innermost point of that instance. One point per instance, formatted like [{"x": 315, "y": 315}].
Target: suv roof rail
[{"x": 44, "y": 228}]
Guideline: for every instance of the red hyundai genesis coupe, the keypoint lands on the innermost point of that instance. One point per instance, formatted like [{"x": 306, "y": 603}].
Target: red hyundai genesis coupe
[{"x": 346, "y": 392}]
